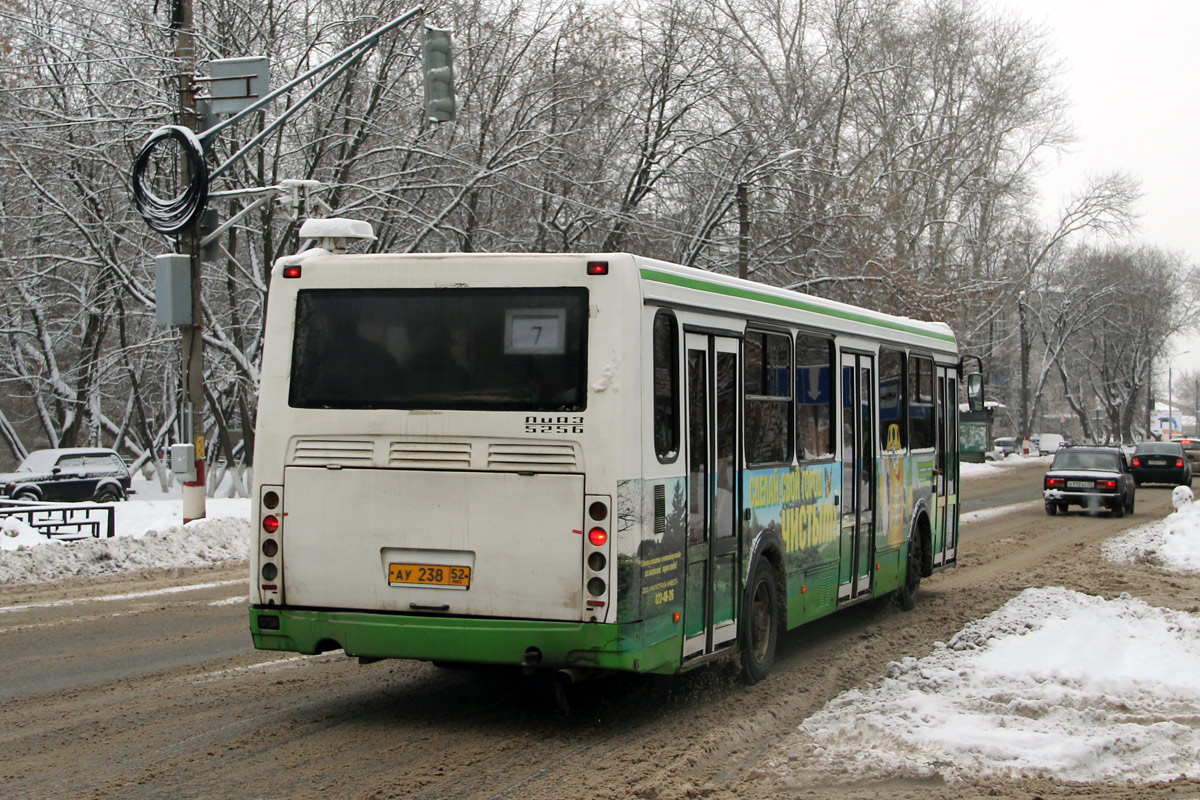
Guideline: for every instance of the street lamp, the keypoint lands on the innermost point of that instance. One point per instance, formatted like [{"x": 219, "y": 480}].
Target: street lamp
[
  {"x": 1170, "y": 406},
  {"x": 743, "y": 205}
]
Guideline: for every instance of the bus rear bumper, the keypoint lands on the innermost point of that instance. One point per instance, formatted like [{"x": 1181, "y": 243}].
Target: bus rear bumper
[{"x": 465, "y": 640}]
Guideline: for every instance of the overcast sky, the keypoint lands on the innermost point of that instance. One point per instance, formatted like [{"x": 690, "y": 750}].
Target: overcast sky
[{"x": 1132, "y": 73}]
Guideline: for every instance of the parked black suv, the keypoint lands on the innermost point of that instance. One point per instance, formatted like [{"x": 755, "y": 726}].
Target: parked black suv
[
  {"x": 68, "y": 475},
  {"x": 1092, "y": 477}
]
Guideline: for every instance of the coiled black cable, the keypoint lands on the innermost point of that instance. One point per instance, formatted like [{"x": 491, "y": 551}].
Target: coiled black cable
[{"x": 174, "y": 214}]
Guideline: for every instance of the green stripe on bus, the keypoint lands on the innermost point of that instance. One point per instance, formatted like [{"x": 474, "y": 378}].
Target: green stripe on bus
[{"x": 788, "y": 302}]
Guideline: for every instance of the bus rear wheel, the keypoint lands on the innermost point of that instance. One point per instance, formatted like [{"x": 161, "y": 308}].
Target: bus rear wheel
[
  {"x": 912, "y": 577},
  {"x": 760, "y": 623}
]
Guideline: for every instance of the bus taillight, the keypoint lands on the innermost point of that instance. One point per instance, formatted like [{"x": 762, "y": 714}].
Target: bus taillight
[
  {"x": 270, "y": 544},
  {"x": 596, "y": 578}
]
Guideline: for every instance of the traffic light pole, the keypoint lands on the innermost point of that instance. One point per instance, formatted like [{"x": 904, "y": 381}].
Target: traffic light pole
[{"x": 189, "y": 245}]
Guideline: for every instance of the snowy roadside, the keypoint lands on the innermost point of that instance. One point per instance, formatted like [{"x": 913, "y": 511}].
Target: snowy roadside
[
  {"x": 1054, "y": 682},
  {"x": 969, "y": 469},
  {"x": 1031, "y": 688},
  {"x": 150, "y": 534}
]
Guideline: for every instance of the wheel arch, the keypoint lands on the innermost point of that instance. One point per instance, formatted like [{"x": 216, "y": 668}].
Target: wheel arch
[
  {"x": 922, "y": 530},
  {"x": 768, "y": 545},
  {"x": 28, "y": 488},
  {"x": 109, "y": 484}
]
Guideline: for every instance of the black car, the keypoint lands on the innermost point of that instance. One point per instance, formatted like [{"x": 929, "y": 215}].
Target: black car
[
  {"x": 68, "y": 475},
  {"x": 1161, "y": 462},
  {"x": 1091, "y": 477}
]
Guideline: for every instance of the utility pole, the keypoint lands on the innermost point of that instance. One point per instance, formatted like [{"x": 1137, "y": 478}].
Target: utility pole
[
  {"x": 189, "y": 246},
  {"x": 177, "y": 294},
  {"x": 1024, "y": 343},
  {"x": 741, "y": 197},
  {"x": 743, "y": 209}
]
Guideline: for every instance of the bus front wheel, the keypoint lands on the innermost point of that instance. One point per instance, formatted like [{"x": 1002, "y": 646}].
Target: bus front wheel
[{"x": 760, "y": 623}]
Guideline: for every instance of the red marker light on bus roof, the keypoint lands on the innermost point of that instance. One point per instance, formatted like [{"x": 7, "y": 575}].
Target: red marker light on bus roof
[
  {"x": 597, "y": 268},
  {"x": 292, "y": 272}
]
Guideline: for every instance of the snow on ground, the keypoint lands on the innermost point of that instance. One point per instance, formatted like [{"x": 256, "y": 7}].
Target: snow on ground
[
  {"x": 968, "y": 469},
  {"x": 1171, "y": 544},
  {"x": 149, "y": 533},
  {"x": 1032, "y": 688}
]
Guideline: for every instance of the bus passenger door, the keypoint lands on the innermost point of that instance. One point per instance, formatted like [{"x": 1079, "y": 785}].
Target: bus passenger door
[
  {"x": 711, "y": 582},
  {"x": 945, "y": 464},
  {"x": 858, "y": 475}
]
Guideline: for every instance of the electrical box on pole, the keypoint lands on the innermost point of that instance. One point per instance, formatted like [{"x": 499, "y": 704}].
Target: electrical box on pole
[
  {"x": 440, "y": 105},
  {"x": 183, "y": 461},
  {"x": 173, "y": 289}
]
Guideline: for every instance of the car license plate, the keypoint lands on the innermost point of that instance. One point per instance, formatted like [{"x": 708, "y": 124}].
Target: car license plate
[
  {"x": 1080, "y": 484},
  {"x": 1156, "y": 462},
  {"x": 437, "y": 575}
]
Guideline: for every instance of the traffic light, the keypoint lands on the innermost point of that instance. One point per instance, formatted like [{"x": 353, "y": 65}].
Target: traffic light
[{"x": 440, "y": 105}]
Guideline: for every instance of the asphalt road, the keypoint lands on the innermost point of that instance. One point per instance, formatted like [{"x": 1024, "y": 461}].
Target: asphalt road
[{"x": 146, "y": 686}]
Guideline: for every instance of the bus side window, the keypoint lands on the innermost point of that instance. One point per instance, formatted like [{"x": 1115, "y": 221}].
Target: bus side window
[
  {"x": 814, "y": 397},
  {"x": 666, "y": 387},
  {"x": 920, "y": 403},
  {"x": 768, "y": 398},
  {"x": 893, "y": 409}
]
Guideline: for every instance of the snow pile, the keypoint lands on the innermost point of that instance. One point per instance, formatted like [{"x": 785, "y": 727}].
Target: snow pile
[
  {"x": 195, "y": 544},
  {"x": 148, "y": 533},
  {"x": 971, "y": 469},
  {"x": 1033, "y": 688},
  {"x": 1172, "y": 543},
  {"x": 17, "y": 532}
]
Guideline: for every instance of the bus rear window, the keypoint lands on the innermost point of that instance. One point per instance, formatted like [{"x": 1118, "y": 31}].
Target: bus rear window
[{"x": 474, "y": 349}]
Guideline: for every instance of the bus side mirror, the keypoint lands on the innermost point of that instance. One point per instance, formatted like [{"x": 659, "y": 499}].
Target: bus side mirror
[{"x": 975, "y": 391}]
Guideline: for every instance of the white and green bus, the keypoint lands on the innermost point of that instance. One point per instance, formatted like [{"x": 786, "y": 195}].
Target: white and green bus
[{"x": 586, "y": 462}]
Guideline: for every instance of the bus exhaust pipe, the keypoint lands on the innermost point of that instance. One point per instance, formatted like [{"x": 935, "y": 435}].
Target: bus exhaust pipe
[
  {"x": 531, "y": 660},
  {"x": 566, "y": 677},
  {"x": 563, "y": 679}
]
